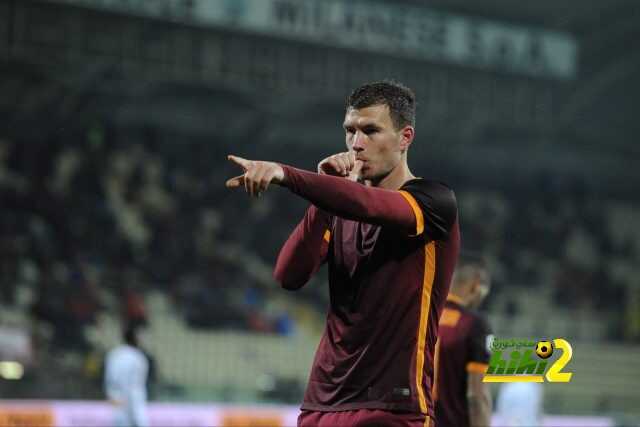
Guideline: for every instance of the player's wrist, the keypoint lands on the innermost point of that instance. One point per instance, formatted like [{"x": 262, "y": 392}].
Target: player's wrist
[{"x": 281, "y": 175}]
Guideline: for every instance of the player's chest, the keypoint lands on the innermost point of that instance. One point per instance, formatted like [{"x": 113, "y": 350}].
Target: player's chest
[
  {"x": 354, "y": 244},
  {"x": 364, "y": 248}
]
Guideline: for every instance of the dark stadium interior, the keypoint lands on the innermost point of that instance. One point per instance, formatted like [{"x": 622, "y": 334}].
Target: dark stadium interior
[{"x": 113, "y": 163}]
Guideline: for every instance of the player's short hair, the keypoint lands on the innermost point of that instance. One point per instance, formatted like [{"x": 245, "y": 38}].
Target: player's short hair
[
  {"x": 470, "y": 266},
  {"x": 130, "y": 336},
  {"x": 400, "y": 99}
]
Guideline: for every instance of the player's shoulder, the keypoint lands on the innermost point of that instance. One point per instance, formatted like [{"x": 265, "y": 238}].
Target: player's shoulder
[
  {"x": 425, "y": 184},
  {"x": 478, "y": 320},
  {"x": 434, "y": 195},
  {"x": 475, "y": 315},
  {"x": 116, "y": 353},
  {"x": 466, "y": 313},
  {"x": 128, "y": 351}
]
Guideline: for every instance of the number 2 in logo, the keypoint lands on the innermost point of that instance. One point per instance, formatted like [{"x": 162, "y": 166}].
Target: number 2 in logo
[{"x": 554, "y": 373}]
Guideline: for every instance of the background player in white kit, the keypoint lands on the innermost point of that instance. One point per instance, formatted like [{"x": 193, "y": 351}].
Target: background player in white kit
[
  {"x": 126, "y": 370},
  {"x": 520, "y": 405}
]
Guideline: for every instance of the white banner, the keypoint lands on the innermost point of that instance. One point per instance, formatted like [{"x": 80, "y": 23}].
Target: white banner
[{"x": 396, "y": 29}]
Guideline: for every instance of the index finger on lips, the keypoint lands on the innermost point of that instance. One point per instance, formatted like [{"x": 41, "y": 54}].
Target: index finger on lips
[
  {"x": 351, "y": 159},
  {"x": 355, "y": 172},
  {"x": 357, "y": 166}
]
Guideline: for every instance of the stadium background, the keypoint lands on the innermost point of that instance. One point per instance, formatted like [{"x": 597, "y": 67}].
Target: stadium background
[{"x": 116, "y": 117}]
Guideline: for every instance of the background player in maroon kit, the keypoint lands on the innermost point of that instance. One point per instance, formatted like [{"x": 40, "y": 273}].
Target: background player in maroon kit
[
  {"x": 462, "y": 351},
  {"x": 391, "y": 241}
]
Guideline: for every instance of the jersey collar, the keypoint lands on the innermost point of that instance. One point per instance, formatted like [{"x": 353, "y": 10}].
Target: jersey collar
[{"x": 454, "y": 299}]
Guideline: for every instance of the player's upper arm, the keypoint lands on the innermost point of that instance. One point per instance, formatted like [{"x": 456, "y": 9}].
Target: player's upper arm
[
  {"x": 479, "y": 341},
  {"x": 434, "y": 206}
]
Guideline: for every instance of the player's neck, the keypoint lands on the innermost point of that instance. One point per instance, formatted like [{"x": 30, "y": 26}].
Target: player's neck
[{"x": 396, "y": 178}]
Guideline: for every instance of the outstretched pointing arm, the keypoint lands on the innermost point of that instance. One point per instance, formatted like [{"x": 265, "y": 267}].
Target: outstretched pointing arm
[{"x": 338, "y": 196}]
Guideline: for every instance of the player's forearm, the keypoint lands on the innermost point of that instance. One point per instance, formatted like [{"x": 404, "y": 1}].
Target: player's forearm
[
  {"x": 303, "y": 252},
  {"x": 351, "y": 200},
  {"x": 480, "y": 410}
]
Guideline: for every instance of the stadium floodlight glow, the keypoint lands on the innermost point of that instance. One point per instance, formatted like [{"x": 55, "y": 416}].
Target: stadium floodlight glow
[{"x": 11, "y": 370}]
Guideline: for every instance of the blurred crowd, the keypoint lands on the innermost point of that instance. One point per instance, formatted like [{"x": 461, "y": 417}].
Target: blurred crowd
[
  {"x": 95, "y": 218},
  {"x": 562, "y": 240},
  {"x": 90, "y": 223}
]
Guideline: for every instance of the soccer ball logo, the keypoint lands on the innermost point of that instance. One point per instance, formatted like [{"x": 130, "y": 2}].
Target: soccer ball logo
[{"x": 544, "y": 349}]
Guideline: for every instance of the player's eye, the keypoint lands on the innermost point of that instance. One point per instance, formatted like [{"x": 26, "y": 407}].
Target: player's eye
[
  {"x": 370, "y": 131},
  {"x": 349, "y": 131}
]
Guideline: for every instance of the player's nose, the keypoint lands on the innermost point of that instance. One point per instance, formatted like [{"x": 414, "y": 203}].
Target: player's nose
[{"x": 358, "y": 143}]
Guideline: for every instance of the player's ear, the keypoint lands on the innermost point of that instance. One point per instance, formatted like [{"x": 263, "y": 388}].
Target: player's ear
[
  {"x": 474, "y": 289},
  {"x": 407, "y": 134}
]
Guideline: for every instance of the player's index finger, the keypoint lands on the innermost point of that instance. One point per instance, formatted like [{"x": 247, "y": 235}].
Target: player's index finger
[
  {"x": 357, "y": 166},
  {"x": 244, "y": 163},
  {"x": 354, "y": 175}
]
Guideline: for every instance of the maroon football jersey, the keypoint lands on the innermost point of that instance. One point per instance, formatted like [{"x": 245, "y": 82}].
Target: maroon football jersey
[
  {"x": 462, "y": 348},
  {"x": 387, "y": 290}
]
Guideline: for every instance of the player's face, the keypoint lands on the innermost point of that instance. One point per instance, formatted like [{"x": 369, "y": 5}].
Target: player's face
[
  {"x": 371, "y": 134},
  {"x": 479, "y": 291}
]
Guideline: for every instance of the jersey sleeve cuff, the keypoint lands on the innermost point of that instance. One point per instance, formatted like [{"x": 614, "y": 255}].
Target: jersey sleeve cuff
[{"x": 477, "y": 367}]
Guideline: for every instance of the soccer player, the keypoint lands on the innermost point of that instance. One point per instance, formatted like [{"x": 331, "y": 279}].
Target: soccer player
[
  {"x": 462, "y": 351},
  {"x": 126, "y": 370},
  {"x": 391, "y": 241}
]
